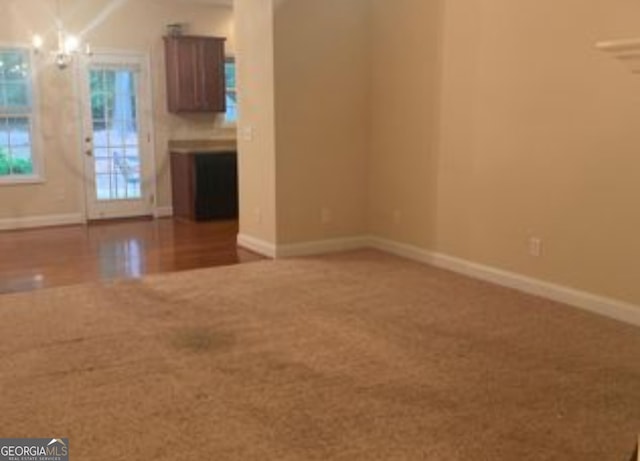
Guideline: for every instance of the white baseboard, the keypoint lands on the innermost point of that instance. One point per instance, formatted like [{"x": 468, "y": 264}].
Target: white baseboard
[
  {"x": 613, "y": 308},
  {"x": 301, "y": 249},
  {"x": 163, "y": 212},
  {"x": 30, "y": 222},
  {"x": 321, "y": 247},
  {"x": 608, "y": 307},
  {"x": 259, "y": 246},
  {"x": 401, "y": 249}
]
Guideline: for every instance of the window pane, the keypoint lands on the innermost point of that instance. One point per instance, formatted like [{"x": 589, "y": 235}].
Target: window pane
[
  {"x": 100, "y": 138},
  {"x": 103, "y": 186},
  {"x": 124, "y": 105},
  {"x": 109, "y": 91},
  {"x": 14, "y": 81},
  {"x": 5, "y": 162},
  {"x": 96, "y": 81},
  {"x": 98, "y": 106},
  {"x": 19, "y": 132},
  {"x": 4, "y": 132},
  {"x": 133, "y": 157},
  {"x": 5, "y": 62},
  {"x": 21, "y": 161},
  {"x": 120, "y": 186},
  {"x": 17, "y": 95},
  {"x": 230, "y": 73},
  {"x": 232, "y": 107},
  {"x": 14, "y": 65},
  {"x": 133, "y": 188},
  {"x": 100, "y": 153},
  {"x": 15, "y": 146},
  {"x": 16, "y": 151},
  {"x": 103, "y": 166},
  {"x": 21, "y": 153},
  {"x": 117, "y": 134},
  {"x": 119, "y": 161}
]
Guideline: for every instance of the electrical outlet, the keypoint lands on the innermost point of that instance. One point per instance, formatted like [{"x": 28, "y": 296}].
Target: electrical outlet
[
  {"x": 326, "y": 215},
  {"x": 535, "y": 247},
  {"x": 247, "y": 133}
]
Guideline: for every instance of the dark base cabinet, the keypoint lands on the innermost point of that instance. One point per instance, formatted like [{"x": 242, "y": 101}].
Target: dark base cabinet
[{"x": 205, "y": 185}]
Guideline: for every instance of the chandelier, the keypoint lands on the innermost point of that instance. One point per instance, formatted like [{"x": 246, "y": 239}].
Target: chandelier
[{"x": 68, "y": 45}]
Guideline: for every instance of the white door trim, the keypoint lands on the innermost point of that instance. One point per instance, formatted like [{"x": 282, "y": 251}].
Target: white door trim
[{"x": 146, "y": 88}]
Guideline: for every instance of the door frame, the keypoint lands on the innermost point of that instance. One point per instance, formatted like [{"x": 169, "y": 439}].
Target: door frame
[{"x": 146, "y": 90}]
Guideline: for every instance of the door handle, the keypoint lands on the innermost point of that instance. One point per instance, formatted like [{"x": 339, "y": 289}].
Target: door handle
[{"x": 89, "y": 152}]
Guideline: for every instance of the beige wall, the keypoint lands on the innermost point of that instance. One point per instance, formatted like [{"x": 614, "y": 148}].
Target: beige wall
[
  {"x": 322, "y": 111},
  {"x": 459, "y": 126},
  {"x": 303, "y": 78},
  {"x": 137, "y": 25},
  {"x": 256, "y": 152},
  {"x": 404, "y": 120},
  {"x": 536, "y": 134}
]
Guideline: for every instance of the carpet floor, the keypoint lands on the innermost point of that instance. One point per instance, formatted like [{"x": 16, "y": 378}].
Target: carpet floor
[{"x": 355, "y": 356}]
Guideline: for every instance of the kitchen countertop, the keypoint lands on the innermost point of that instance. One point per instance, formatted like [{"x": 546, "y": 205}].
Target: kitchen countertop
[{"x": 202, "y": 146}]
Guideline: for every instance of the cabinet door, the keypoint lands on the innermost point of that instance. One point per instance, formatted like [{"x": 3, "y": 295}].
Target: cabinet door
[
  {"x": 212, "y": 93},
  {"x": 195, "y": 74},
  {"x": 181, "y": 61},
  {"x": 183, "y": 183},
  {"x": 216, "y": 186}
]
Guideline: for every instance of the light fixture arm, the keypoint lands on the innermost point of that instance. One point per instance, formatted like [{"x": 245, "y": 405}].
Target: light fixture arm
[{"x": 68, "y": 45}]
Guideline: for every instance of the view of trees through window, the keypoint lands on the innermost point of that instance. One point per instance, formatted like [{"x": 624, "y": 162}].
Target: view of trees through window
[
  {"x": 14, "y": 165},
  {"x": 115, "y": 133},
  {"x": 231, "y": 115},
  {"x": 103, "y": 97},
  {"x": 15, "y": 113}
]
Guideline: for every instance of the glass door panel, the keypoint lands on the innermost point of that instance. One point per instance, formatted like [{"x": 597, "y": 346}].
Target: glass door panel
[{"x": 115, "y": 134}]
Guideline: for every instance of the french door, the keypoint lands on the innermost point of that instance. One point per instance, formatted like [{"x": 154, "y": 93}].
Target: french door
[{"x": 118, "y": 160}]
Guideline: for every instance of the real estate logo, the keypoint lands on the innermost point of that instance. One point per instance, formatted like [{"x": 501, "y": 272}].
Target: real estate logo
[{"x": 34, "y": 449}]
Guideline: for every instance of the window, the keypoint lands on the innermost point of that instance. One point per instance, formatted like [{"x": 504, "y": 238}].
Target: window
[
  {"x": 231, "y": 116},
  {"x": 16, "y": 115}
]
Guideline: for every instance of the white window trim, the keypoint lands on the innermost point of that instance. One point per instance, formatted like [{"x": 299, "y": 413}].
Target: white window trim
[{"x": 38, "y": 176}]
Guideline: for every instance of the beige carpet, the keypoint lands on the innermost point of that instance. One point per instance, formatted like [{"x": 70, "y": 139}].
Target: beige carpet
[{"x": 359, "y": 356}]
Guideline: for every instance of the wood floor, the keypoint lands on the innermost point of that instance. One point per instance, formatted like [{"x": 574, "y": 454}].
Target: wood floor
[{"x": 40, "y": 258}]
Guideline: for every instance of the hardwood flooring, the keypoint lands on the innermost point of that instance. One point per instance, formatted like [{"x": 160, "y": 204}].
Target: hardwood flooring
[{"x": 40, "y": 258}]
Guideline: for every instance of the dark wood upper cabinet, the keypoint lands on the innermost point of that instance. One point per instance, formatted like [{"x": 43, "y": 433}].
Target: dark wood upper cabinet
[{"x": 195, "y": 74}]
